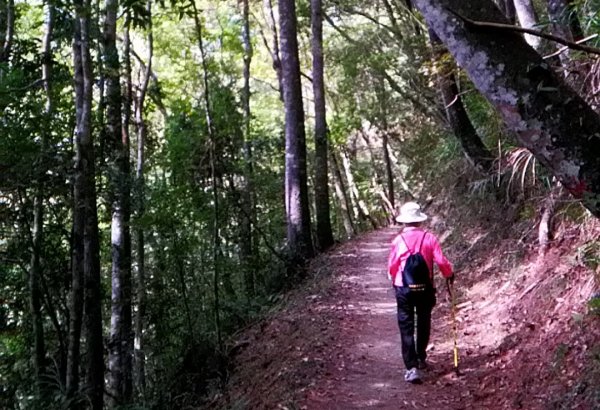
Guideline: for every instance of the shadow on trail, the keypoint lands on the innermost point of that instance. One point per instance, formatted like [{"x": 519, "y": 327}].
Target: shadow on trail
[{"x": 368, "y": 371}]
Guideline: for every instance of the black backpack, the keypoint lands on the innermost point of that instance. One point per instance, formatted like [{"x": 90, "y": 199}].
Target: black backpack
[{"x": 415, "y": 275}]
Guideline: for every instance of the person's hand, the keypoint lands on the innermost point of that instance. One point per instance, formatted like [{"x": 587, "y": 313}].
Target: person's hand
[
  {"x": 450, "y": 280},
  {"x": 389, "y": 276}
]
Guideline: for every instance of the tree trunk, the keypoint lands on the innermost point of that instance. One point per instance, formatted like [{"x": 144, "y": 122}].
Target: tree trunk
[
  {"x": 140, "y": 122},
  {"x": 388, "y": 169},
  {"x": 86, "y": 295},
  {"x": 341, "y": 193},
  {"x": 8, "y": 29},
  {"x": 275, "y": 54},
  {"x": 82, "y": 137},
  {"x": 296, "y": 189},
  {"x": 360, "y": 208},
  {"x": 35, "y": 301},
  {"x": 389, "y": 174},
  {"x": 212, "y": 145},
  {"x": 324, "y": 234},
  {"x": 119, "y": 359},
  {"x": 549, "y": 118},
  {"x": 248, "y": 219},
  {"x": 125, "y": 167},
  {"x": 528, "y": 19},
  {"x": 459, "y": 121}
]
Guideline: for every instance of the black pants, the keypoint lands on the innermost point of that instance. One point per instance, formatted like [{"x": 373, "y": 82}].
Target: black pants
[{"x": 411, "y": 302}]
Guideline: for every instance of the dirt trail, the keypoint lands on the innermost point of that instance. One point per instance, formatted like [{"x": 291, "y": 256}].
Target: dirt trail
[
  {"x": 369, "y": 371},
  {"x": 335, "y": 344}
]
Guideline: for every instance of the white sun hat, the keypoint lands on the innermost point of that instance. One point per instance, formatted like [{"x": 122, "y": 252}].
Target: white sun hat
[{"x": 411, "y": 212}]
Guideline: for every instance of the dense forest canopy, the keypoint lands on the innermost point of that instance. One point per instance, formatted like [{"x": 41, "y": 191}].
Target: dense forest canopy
[{"x": 167, "y": 168}]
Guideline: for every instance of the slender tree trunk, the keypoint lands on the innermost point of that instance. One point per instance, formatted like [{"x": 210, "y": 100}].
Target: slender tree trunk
[
  {"x": 39, "y": 356},
  {"x": 388, "y": 169},
  {"x": 275, "y": 53},
  {"x": 389, "y": 175},
  {"x": 249, "y": 217},
  {"x": 125, "y": 167},
  {"x": 528, "y": 19},
  {"x": 212, "y": 146},
  {"x": 92, "y": 304},
  {"x": 360, "y": 207},
  {"x": 8, "y": 28},
  {"x": 401, "y": 179},
  {"x": 86, "y": 295},
  {"x": 140, "y": 122},
  {"x": 549, "y": 118},
  {"x": 457, "y": 117},
  {"x": 38, "y": 206},
  {"x": 296, "y": 189},
  {"x": 324, "y": 233},
  {"x": 82, "y": 136},
  {"x": 119, "y": 360},
  {"x": 341, "y": 193}
]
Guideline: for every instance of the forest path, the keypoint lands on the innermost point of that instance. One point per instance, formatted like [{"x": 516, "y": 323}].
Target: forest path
[
  {"x": 334, "y": 341},
  {"x": 368, "y": 371}
]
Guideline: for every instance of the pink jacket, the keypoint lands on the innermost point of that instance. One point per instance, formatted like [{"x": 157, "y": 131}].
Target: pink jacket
[{"x": 430, "y": 249}]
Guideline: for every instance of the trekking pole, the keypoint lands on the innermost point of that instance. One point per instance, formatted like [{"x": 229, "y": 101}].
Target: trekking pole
[{"x": 454, "y": 327}]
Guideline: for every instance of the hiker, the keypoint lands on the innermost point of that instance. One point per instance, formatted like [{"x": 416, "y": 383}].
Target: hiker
[{"x": 410, "y": 268}]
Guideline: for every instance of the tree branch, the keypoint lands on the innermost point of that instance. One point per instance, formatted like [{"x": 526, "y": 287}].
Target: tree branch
[
  {"x": 508, "y": 27},
  {"x": 24, "y": 88}
]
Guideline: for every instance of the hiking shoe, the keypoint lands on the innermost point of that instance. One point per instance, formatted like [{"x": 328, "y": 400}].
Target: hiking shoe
[
  {"x": 422, "y": 365},
  {"x": 412, "y": 376}
]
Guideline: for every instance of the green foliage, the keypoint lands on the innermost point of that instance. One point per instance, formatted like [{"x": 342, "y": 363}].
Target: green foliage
[
  {"x": 589, "y": 254},
  {"x": 376, "y": 83}
]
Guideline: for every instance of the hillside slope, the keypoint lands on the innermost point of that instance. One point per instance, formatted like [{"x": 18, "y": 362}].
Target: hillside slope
[{"x": 526, "y": 337}]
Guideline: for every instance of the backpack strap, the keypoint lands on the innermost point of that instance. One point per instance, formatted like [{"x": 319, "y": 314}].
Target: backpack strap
[
  {"x": 405, "y": 244},
  {"x": 420, "y": 243},
  {"x": 422, "y": 240}
]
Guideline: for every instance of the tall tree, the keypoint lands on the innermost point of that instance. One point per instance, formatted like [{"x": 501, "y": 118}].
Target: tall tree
[
  {"x": 247, "y": 245},
  {"x": 456, "y": 115},
  {"x": 82, "y": 145},
  {"x": 120, "y": 346},
  {"x": 324, "y": 233},
  {"x": 86, "y": 294},
  {"x": 296, "y": 190},
  {"x": 141, "y": 128},
  {"x": 216, "y": 244},
  {"x": 35, "y": 271},
  {"x": 549, "y": 119}
]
